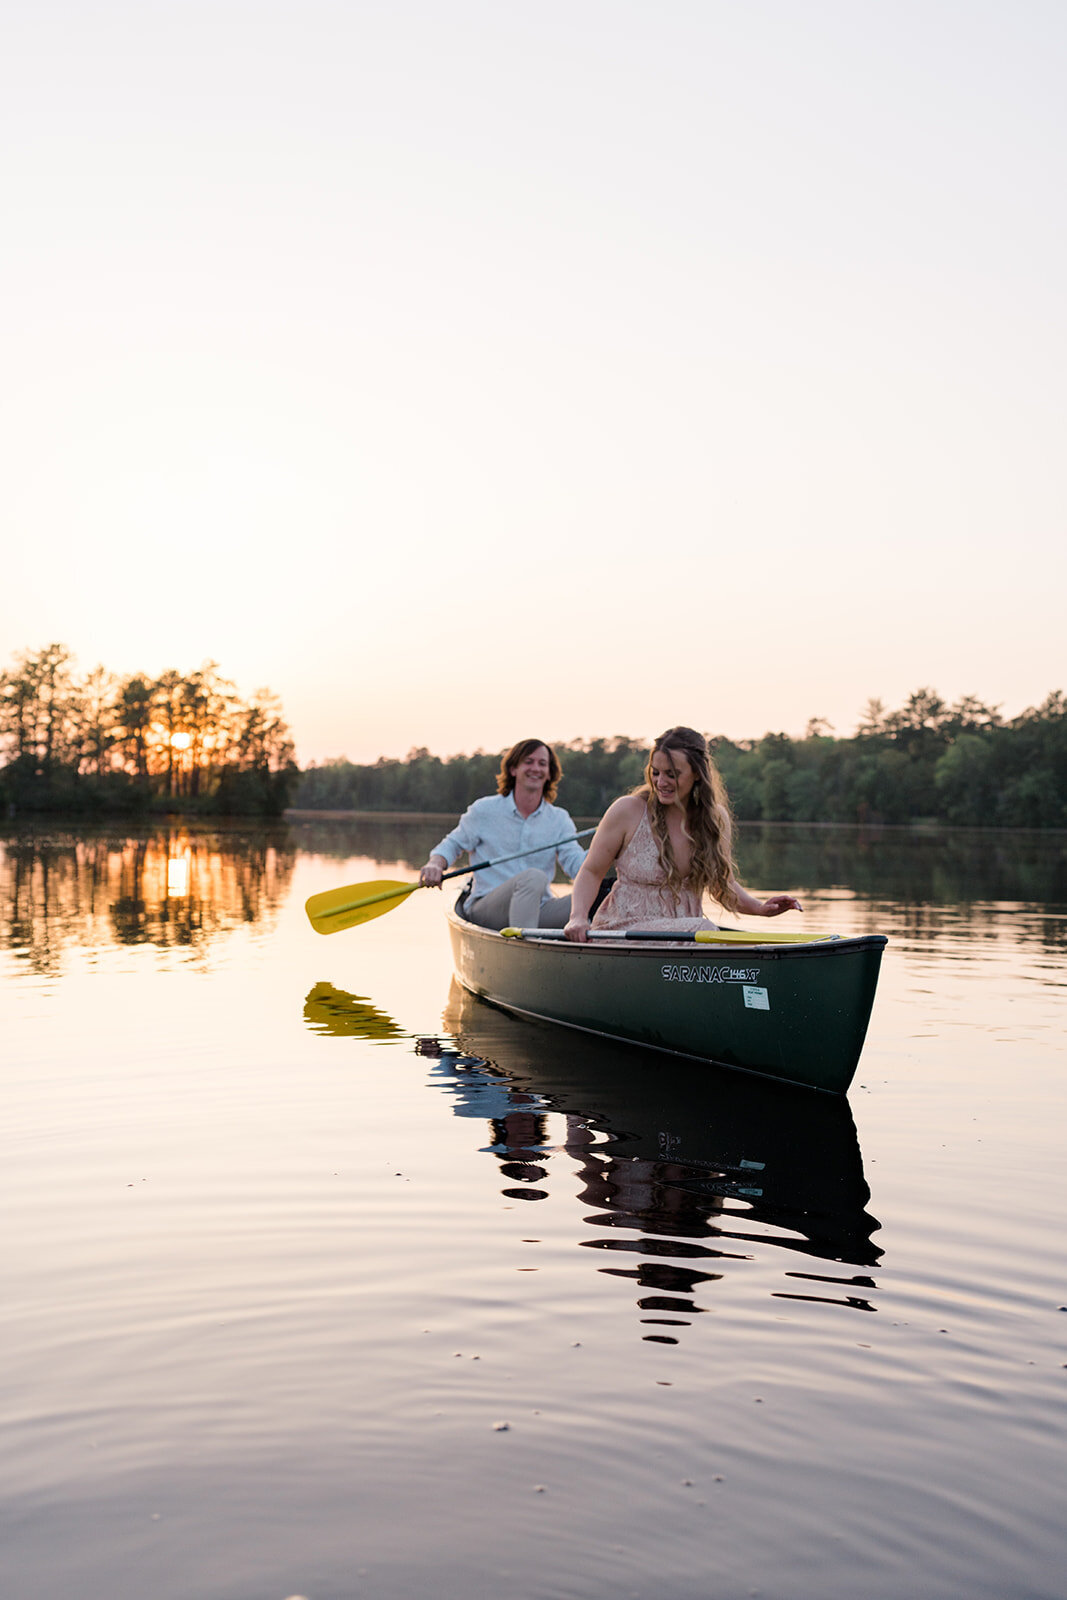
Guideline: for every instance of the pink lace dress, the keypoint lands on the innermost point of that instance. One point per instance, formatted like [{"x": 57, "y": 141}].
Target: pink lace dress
[{"x": 641, "y": 898}]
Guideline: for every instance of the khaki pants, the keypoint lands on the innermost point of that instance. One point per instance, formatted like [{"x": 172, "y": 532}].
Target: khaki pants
[{"x": 517, "y": 904}]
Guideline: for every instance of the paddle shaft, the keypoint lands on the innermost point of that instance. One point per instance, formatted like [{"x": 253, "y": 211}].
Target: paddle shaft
[
  {"x": 476, "y": 866},
  {"x": 456, "y": 872}
]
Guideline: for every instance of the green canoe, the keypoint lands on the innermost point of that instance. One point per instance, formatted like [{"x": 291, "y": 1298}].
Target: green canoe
[{"x": 797, "y": 1011}]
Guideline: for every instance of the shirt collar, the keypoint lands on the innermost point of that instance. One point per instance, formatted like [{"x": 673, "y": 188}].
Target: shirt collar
[{"x": 535, "y": 813}]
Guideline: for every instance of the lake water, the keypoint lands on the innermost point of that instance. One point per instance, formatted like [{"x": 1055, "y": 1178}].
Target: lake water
[{"x": 321, "y": 1279}]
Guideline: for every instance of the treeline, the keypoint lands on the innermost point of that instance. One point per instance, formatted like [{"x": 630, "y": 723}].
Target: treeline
[
  {"x": 958, "y": 763},
  {"x": 182, "y": 742}
]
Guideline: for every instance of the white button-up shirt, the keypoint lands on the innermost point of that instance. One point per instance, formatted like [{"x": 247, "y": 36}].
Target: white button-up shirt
[{"x": 494, "y": 826}]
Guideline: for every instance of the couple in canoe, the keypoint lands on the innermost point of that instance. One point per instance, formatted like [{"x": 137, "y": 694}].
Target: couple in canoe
[{"x": 669, "y": 842}]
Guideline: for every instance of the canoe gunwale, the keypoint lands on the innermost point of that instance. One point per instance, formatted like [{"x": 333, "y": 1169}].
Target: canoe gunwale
[{"x": 836, "y": 945}]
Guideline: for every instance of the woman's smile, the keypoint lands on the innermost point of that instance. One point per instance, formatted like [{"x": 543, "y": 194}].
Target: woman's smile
[{"x": 672, "y": 776}]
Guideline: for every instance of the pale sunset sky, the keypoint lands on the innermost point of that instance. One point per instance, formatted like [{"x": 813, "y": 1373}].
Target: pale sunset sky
[{"x": 469, "y": 370}]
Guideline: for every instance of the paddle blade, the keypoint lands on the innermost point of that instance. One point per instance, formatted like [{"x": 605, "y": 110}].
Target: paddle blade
[{"x": 335, "y": 909}]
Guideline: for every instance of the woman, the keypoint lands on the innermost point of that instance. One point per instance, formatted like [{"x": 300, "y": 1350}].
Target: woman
[{"x": 670, "y": 842}]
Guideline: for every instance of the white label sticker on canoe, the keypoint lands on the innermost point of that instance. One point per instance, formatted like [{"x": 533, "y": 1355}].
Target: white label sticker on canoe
[{"x": 756, "y": 997}]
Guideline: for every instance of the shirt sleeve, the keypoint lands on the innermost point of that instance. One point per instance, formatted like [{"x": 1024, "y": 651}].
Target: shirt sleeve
[
  {"x": 570, "y": 856},
  {"x": 466, "y": 835}
]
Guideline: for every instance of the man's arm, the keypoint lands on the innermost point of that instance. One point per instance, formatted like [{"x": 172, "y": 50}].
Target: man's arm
[{"x": 464, "y": 837}]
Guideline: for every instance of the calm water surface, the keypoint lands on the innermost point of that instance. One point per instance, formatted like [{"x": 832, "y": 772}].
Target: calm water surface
[{"x": 323, "y": 1279}]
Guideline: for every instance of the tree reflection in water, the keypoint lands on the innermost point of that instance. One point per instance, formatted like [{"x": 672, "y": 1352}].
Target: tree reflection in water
[{"x": 179, "y": 885}]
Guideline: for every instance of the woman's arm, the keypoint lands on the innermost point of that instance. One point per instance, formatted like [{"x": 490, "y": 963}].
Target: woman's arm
[
  {"x": 773, "y": 906},
  {"x": 617, "y": 828},
  {"x": 571, "y": 855}
]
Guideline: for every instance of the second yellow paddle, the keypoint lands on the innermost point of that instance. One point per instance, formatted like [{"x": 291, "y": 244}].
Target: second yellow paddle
[{"x": 664, "y": 936}]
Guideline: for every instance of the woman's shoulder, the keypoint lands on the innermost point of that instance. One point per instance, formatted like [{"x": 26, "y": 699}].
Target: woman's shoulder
[{"x": 628, "y": 809}]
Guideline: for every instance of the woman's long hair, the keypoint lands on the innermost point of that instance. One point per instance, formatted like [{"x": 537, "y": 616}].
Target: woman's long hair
[{"x": 708, "y": 823}]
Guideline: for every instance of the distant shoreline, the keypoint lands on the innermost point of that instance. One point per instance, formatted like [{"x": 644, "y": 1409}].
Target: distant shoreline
[
  {"x": 931, "y": 826},
  {"x": 299, "y": 814}
]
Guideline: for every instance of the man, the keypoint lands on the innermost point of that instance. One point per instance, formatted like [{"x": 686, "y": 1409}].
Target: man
[{"x": 518, "y": 817}]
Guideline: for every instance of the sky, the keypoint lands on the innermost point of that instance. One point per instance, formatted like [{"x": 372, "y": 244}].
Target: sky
[{"x": 478, "y": 370}]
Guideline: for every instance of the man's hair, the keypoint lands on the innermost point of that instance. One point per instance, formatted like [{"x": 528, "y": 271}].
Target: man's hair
[{"x": 505, "y": 780}]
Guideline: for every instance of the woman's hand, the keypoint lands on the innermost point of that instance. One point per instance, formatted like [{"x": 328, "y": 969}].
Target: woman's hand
[
  {"x": 577, "y": 930},
  {"x": 431, "y": 875},
  {"x": 775, "y": 904}
]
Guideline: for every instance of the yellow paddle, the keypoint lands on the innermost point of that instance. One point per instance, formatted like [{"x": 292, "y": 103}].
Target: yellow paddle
[
  {"x": 335, "y": 909},
  {"x": 695, "y": 936}
]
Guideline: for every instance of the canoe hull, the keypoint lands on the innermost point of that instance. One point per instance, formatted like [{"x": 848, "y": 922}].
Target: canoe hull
[{"x": 794, "y": 1012}]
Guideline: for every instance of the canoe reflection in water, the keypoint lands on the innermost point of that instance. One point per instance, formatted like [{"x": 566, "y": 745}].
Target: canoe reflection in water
[
  {"x": 685, "y": 1169},
  {"x": 674, "y": 1151}
]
